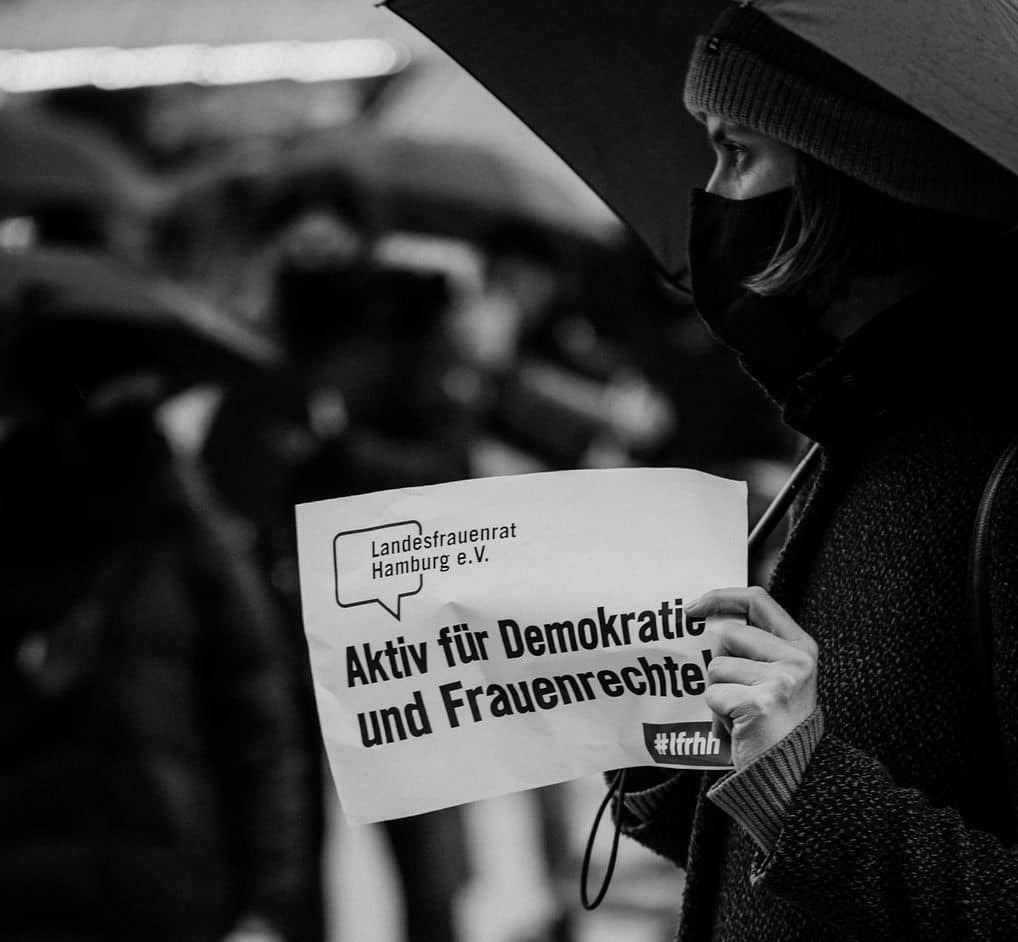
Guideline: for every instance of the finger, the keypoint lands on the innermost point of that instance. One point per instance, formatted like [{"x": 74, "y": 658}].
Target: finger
[
  {"x": 747, "y": 641},
  {"x": 754, "y": 603},
  {"x": 721, "y": 727},
  {"x": 736, "y": 670},
  {"x": 729, "y": 700}
]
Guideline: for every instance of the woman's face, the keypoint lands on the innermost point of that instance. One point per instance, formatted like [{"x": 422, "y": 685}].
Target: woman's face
[{"x": 747, "y": 163}]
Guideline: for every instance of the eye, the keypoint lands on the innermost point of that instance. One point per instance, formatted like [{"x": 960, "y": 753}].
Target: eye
[
  {"x": 731, "y": 154},
  {"x": 736, "y": 152}
]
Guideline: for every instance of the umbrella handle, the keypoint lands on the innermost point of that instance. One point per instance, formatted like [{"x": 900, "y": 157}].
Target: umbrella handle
[{"x": 773, "y": 515}]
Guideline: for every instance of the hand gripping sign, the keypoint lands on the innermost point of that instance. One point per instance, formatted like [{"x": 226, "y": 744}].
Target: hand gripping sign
[{"x": 482, "y": 637}]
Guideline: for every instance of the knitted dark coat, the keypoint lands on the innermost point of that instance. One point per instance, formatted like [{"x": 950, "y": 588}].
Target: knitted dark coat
[{"x": 891, "y": 834}]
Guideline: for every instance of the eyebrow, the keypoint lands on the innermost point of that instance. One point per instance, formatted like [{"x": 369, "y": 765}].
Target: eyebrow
[{"x": 724, "y": 130}]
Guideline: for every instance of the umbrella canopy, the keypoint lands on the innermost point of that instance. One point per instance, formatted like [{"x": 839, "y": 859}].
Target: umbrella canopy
[
  {"x": 957, "y": 63},
  {"x": 602, "y": 82},
  {"x": 442, "y": 103},
  {"x": 84, "y": 317},
  {"x": 50, "y": 161}
]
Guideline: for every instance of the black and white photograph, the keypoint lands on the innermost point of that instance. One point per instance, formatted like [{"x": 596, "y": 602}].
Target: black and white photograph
[{"x": 515, "y": 471}]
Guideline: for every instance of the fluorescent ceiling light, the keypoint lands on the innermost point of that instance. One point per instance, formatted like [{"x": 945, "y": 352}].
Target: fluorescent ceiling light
[{"x": 112, "y": 68}]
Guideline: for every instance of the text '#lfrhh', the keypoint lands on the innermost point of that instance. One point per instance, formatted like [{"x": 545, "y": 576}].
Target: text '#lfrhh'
[{"x": 686, "y": 744}]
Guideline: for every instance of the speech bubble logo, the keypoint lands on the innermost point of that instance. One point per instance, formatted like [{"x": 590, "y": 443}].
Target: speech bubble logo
[{"x": 377, "y": 564}]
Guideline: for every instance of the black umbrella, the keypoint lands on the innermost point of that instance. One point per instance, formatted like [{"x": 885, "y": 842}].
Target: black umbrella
[
  {"x": 601, "y": 80},
  {"x": 601, "y": 83},
  {"x": 70, "y": 317}
]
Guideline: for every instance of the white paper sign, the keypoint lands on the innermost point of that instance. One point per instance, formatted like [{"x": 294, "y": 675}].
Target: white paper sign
[{"x": 482, "y": 637}]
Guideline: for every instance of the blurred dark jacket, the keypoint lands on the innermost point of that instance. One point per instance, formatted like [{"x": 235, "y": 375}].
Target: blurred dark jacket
[{"x": 146, "y": 727}]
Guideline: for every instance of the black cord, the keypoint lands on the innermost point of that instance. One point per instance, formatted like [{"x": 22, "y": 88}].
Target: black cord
[{"x": 618, "y": 786}]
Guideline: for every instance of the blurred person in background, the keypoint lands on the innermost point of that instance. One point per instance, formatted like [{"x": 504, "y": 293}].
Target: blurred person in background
[
  {"x": 360, "y": 404},
  {"x": 150, "y": 757},
  {"x": 560, "y": 391}
]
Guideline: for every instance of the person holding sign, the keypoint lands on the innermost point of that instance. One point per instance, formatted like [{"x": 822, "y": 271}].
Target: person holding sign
[{"x": 854, "y": 253}]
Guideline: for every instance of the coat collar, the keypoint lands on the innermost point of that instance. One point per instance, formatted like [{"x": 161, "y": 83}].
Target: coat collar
[{"x": 948, "y": 347}]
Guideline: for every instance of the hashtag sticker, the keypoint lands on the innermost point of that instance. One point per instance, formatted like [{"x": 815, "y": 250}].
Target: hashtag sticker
[{"x": 692, "y": 745}]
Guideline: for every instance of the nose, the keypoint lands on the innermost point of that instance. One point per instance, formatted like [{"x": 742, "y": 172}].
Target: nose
[{"x": 721, "y": 183}]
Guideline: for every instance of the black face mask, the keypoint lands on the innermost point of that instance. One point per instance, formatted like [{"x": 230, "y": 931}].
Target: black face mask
[{"x": 730, "y": 241}]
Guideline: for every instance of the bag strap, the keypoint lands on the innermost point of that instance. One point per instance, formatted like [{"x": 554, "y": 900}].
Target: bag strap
[{"x": 989, "y": 732}]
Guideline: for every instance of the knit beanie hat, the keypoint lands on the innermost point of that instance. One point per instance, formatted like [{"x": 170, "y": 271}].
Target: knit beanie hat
[{"x": 754, "y": 72}]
